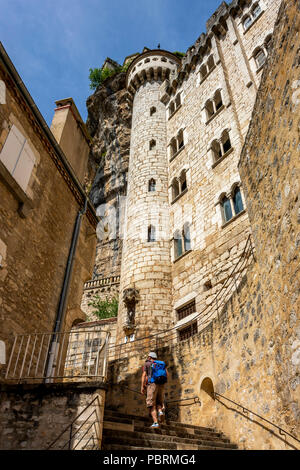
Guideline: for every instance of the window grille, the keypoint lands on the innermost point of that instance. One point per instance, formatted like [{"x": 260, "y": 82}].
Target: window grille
[{"x": 187, "y": 332}]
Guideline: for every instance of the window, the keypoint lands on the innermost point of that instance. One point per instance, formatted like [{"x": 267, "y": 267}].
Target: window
[
  {"x": 187, "y": 332},
  {"x": 187, "y": 310},
  {"x": 176, "y": 144},
  {"x": 177, "y": 244},
  {"x": 17, "y": 157},
  {"x": 182, "y": 241},
  {"x": 151, "y": 233},
  {"x": 152, "y": 145},
  {"x": 212, "y": 106},
  {"x": 203, "y": 72},
  {"x": 225, "y": 141},
  {"x": 210, "y": 62},
  {"x": 180, "y": 139},
  {"x": 221, "y": 147},
  {"x": 152, "y": 185},
  {"x": 175, "y": 189},
  {"x": 260, "y": 58},
  {"x": 226, "y": 209},
  {"x": 237, "y": 201},
  {"x": 183, "y": 185},
  {"x": 247, "y": 22},
  {"x": 152, "y": 110},
  {"x": 256, "y": 11},
  {"x": 218, "y": 100},
  {"x": 178, "y": 101},
  {"x": 209, "y": 109},
  {"x": 171, "y": 108},
  {"x": 179, "y": 185},
  {"x": 268, "y": 42},
  {"x": 216, "y": 149}
]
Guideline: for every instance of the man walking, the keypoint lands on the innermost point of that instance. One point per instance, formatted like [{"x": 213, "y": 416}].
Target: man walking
[{"x": 154, "y": 377}]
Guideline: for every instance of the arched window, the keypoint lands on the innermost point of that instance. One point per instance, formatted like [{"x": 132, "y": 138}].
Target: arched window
[
  {"x": 151, "y": 233},
  {"x": 226, "y": 209},
  {"x": 260, "y": 58},
  {"x": 247, "y": 22},
  {"x": 182, "y": 179},
  {"x": 175, "y": 189},
  {"x": 218, "y": 100},
  {"x": 225, "y": 140},
  {"x": 203, "y": 71},
  {"x": 177, "y": 244},
  {"x": 178, "y": 100},
  {"x": 186, "y": 237},
  {"x": 237, "y": 200},
  {"x": 180, "y": 139},
  {"x": 171, "y": 108},
  {"x": 152, "y": 144},
  {"x": 267, "y": 43},
  {"x": 209, "y": 109},
  {"x": 173, "y": 147},
  {"x": 256, "y": 11},
  {"x": 152, "y": 110},
  {"x": 152, "y": 185}
]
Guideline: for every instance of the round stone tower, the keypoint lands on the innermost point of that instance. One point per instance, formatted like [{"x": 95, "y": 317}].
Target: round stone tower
[{"x": 145, "y": 286}]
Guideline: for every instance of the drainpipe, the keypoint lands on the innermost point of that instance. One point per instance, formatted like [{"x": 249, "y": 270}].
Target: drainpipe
[{"x": 54, "y": 344}]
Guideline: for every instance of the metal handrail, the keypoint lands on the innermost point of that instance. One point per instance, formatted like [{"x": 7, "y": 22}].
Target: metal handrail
[
  {"x": 70, "y": 426},
  {"x": 246, "y": 410}
]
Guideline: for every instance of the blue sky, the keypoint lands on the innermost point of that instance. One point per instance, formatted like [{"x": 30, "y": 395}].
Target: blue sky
[{"x": 53, "y": 43}]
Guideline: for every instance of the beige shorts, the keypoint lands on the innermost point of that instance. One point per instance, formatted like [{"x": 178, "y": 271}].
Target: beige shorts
[{"x": 155, "y": 395}]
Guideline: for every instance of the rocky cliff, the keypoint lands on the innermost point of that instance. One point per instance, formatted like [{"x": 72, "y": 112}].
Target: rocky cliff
[{"x": 109, "y": 123}]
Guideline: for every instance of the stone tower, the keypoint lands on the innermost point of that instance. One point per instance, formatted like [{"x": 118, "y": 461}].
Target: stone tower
[{"x": 145, "y": 285}]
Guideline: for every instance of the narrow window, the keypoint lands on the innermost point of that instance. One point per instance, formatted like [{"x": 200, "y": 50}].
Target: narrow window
[
  {"x": 183, "y": 181},
  {"x": 218, "y": 100},
  {"x": 175, "y": 189},
  {"x": 186, "y": 237},
  {"x": 18, "y": 157},
  {"x": 187, "y": 332},
  {"x": 152, "y": 185},
  {"x": 152, "y": 110},
  {"x": 207, "y": 286},
  {"x": 151, "y": 233},
  {"x": 226, "y": 142},
  {"x": 171, "y": 108},
  {"x": 260, "y": 58},
  {"x": 203, "y": 71},
  {"x": 180, "y": 139},
  {"x": 237, "y": 201},
  {"x": 226, "y": 209},
  {"x": 216, "y": 149},
  {"x": 177, "y": 244},
  {"x": 256, "y": 11},
  {"x": 211, "y": 62},
  {"x": 152, "y": 145},
  {"x": 178, "y": 100},
  {"x": 268, "y": 42}
]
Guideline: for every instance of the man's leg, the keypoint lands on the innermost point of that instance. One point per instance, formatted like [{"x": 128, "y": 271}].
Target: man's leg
[{"x": 151, "y": 401}]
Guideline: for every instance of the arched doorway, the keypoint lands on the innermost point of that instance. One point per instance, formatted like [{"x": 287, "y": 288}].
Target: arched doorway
[{"x": 208, "y": 406}]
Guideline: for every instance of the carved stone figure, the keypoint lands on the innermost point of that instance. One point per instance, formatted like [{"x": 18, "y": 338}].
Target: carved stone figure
[{"x": 130, "y": 299}]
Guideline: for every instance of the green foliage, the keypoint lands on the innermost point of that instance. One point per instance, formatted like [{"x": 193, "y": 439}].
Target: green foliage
[
  {"x": 107, "y": 308},
  {"x": 98, "y": 76},
  {"x": 179, "y": 54}
]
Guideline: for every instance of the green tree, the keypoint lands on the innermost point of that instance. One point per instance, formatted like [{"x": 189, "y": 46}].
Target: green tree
[{"x": 107, "y": 308}]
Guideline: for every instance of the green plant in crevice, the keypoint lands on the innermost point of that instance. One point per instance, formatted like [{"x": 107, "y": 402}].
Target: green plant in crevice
[{"x": 107, "y": 308}]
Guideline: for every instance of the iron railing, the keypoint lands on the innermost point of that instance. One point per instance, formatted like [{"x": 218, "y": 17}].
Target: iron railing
[
  {"x": 58, "y": 356},
  {"x": 81, "y": 434},
  {"x": 203, "y": 318},
  {"x": 246, "y": 411}
]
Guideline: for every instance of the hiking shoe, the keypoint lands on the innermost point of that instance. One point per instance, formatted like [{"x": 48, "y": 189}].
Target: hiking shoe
[
  {"x": 161, "y": 416},
  {"x": 155, "y": 425}
]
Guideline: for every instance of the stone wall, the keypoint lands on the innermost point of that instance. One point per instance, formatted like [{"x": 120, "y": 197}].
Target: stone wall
[{"x": 33, "y": 416}]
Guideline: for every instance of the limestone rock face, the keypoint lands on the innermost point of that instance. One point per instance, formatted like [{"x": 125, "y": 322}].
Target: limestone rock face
[{"x": 109, "y": 123}]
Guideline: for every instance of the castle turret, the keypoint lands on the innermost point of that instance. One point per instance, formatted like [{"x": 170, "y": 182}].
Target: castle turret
[{"x": 145, "y": 287}]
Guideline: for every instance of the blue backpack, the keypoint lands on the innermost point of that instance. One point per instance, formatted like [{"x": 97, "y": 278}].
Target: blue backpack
[{"x": 159, "y": 373}]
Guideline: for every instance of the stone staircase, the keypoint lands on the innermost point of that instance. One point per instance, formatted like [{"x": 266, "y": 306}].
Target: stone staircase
[{"x": 128, "y": 432}]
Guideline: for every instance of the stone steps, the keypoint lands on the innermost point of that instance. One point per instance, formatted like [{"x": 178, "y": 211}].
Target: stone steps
[{"x": 128, "y": 432}]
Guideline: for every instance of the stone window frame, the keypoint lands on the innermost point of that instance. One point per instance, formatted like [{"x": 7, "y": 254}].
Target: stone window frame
[
  {"x": 221, "y": 143},
  {"x": 151, "y": 234},
  {"x": 153, "y": 110},
  {"x": 250, "y": 14},
  {"x": 20, "y": 193},
  {"x": 174, "y": 105},
  {"x": 230, "y": 197},
  {"x": 262, "y": 48},
  {"x": 208, "y": 67},
  {"x": 185, "y": 242},
  {"x": 176, "y": 144},
  {"x": 151, "y": 185}
]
